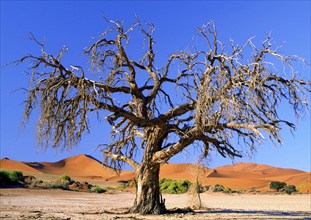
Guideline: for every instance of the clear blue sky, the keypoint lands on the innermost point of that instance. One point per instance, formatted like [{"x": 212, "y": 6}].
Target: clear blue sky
[{"x": 74, "y": 23}]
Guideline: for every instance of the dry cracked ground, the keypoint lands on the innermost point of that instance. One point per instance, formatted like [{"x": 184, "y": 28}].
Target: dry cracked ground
[{"x": 59, "y": 204}]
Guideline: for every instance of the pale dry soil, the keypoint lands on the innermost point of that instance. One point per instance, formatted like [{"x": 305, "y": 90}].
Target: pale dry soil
[{"x": 59, "y": 204}]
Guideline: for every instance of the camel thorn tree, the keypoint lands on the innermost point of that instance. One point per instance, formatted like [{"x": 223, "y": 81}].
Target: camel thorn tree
[{"x": 227, "y": 97}]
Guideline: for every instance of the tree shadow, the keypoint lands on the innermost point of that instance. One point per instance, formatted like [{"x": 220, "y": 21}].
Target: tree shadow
[
  {"x": 124, "y": 213},
  {"x": 257, "y": 212}
]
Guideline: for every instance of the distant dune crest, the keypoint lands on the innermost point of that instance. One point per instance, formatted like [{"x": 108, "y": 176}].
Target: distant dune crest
[{"x": 236, "y": 176}]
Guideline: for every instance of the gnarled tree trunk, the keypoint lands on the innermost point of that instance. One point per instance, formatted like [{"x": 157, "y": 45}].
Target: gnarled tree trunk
[{"x": 148, "y": 196}]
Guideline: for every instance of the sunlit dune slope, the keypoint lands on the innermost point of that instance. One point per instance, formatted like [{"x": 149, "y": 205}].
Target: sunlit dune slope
[
  {"x": 184, "y": 171},
  {"x": 250, "y": 175},
  {"x": 172, "y": 171},
  {"x": 77, "y": 166},
  {"x": 8, "y": 164},
  {"x": 256, "y": 169},
  {"x": 302, "y": 180}
]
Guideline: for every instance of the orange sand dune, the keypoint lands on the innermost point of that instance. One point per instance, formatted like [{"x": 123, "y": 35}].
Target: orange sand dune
[
  {"x": 302, "y": 181},
  {"x": 171, "y": 171},
  {"x": 238, "y": 183},
  {"x": 8, "y": 164},
  {"x": 123, "y": 177},
  {"x": 260, "y": 169},
  {"x": 238, "y": 176},
  {"x": 250, "y": 175},
  {"x": 183, "y": 171},
  {"x": 78, "y": 166}
]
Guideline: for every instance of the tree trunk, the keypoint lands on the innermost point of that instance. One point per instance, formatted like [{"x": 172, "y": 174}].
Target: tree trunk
[{"x": 148, "y": 197}]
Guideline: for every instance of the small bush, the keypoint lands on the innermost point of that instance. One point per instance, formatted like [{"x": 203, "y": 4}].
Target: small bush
[
  {"x": 132, "y": 184},
  {"x": 253, "y": 190},
  {"x": 206, "y": 188},
  {"x": 29, "y": 179},
  {"x": 276, "y": 185},
  {"x": 97, "y": 189},
  {"x": 239, "y": 191},
  {"x": 218, "y": 188},
  {"x": 221, "y": 188},
  {"x": 39, "y": 184},
  {"x": 60, "y": 184},
  {"x": 123, "y": 185},
  {"x": 174, "y": 186},
  {"x": 108, "y": 188},
  {"x": 290, "y": 189},
  {"x": 11, "y": 178},
  {"x": 65, "y": 177},
  {"x": 228, "y": 190},
  {"x": 304, "y": 187}
]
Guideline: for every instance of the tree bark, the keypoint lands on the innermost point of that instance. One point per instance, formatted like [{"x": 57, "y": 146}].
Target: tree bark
[{"x": 148, "y": 196}]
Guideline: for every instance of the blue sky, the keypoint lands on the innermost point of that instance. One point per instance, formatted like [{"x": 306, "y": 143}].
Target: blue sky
[{"x": 74, "y": 23}]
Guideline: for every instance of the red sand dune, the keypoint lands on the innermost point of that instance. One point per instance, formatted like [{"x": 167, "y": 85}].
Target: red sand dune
[
  {"x": 302, "y": 181},
  {"x": 250, "y": 175},
  {"x": 183, "y": 171},
  {"x": 8, "y": 164},
  {"x": 258, "y": 169},
  {"x": 238, "y": 176},
  {"x": 77, "y": 166}
]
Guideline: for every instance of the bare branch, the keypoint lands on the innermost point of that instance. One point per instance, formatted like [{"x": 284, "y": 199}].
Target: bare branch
[
  {"x": 226, "y": 94},
  {"x": 123, "y": 158}
]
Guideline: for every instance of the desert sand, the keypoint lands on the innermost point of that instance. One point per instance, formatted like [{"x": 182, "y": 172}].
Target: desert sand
[
  {"x": 240, "y": 176},
  {"x": 59, "y": 204}
]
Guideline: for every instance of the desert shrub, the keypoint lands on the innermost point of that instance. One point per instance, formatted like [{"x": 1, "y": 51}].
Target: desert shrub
[
  {"x": 132, "y": 184},
  {"x": 228, "y": 190},
  {"x": 123, "y": 185},
  {"x": 11, "y": 178},
  {"x": 107, "y": 188},
  {"x": 206, "y": 188},
  {"x": 29, "y": 179},
  {"x": 39, "y": 184},
  {"x": 276, "y": 185},
  {"x": 290, "y": 189},
  {"x": 174, "y": 186},
  {"x": 304, "y": 187},
  {"x": 60, "y": 184},
  {"x": 65, "y": 177},
  {"x": 199, "y": 188},
  {"x": 218, "y": 188},
  {"x": 4, "y": 178},
  {"x": 221, "y": 188},
  {"x": 239, "y": 191},
  {"x": 253, "y": 190},
  {"x": 97, "y": 189}
]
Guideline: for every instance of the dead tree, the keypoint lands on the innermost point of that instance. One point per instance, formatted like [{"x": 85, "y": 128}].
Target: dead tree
[{"x": 225, "y": 98}]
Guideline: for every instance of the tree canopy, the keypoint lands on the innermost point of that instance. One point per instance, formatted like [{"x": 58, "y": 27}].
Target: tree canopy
[
  {"x": 224, "y": 92},
  {"x": 222, "y": 96}
]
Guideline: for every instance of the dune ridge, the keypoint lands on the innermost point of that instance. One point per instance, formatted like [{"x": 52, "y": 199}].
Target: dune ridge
[{"x": 237, "y": 176}]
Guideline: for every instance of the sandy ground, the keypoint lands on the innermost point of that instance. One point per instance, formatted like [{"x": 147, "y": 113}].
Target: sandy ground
[{"x": 58, "y": 204}]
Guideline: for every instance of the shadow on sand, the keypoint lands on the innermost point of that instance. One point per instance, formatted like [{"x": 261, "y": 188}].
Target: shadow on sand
[
  {"x": 240, "y": 213},
  {"x": 304, "y": 215}
]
